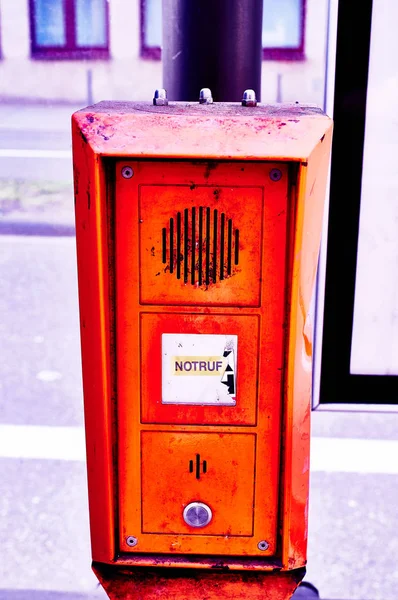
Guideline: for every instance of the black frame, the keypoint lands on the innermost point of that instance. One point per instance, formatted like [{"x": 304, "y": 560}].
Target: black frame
[{"x": 337, "y": 384}]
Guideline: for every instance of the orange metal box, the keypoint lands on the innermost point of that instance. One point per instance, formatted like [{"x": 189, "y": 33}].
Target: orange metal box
[{"x": 198, "y": 231}]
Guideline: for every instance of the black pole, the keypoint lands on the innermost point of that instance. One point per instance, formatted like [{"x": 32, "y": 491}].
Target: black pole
[{"x": 214, "y": 44}]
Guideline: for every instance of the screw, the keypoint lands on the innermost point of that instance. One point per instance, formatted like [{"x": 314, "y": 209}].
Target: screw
[
  {"x": 127, "y": 172},
  {"x": 131, "y": 541},
  {"x": 275, "y": 174},
  {"x": 205, "y": 96},
  {"x": 249, "y": 98},
  {"x": 263, "y": 545},
  {"x": 160, "y": 97}
]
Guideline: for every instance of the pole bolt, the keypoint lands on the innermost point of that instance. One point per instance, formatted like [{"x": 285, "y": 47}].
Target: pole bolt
[
  {"x": 131, "y": 541},
  {"x": 127, "y": 172},
  {"x": 160, "y": 97},
  {"x": 275, "y": 174},
  {"x": 263, "y": 545},
  {"x": 249, "y": 98},
  {"x": 205, "y": 96}
]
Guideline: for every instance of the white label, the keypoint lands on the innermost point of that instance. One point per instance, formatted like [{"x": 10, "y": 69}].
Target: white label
[{"x": 199, "y": 368}]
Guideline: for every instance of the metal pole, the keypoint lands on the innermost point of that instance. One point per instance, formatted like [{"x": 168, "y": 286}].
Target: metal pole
[{"x": 214, "y": 44}]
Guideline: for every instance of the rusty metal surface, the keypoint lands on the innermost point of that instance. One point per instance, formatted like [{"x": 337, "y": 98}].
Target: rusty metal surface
[
  {"x": 189, "y": 130},
  {"x": 196, "y": 561},
  {"x": 225, "y": 109},
  {"x": 180, "y": 584},
  {"x": 209, "y": 135}
]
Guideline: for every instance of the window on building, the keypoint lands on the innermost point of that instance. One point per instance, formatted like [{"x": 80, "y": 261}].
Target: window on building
[
  {"x": 69, "y": 29},
  {"x": 283, "y": 29}
]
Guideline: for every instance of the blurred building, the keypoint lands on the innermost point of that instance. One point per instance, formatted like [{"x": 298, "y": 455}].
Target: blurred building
[{"x": 88, "y": 50}]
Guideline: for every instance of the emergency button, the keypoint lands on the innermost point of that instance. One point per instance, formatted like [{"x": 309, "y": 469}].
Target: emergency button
[{"x": 197, "y": 514}]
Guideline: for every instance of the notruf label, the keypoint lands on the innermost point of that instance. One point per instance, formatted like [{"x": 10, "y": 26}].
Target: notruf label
[
  {"x": 199, "y": 369},
  {"x": 199, "y": 365}
]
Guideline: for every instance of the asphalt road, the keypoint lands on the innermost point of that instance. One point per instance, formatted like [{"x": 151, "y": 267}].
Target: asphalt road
[
  {"x": 35, "y": 142},
  {"x": 45, "y": 552}
]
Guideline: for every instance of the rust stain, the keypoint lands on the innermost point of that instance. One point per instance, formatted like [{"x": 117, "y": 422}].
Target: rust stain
[
  {"x": 220, "y": 565},
  {"x": 83, "y": 136},
  {"x": 76, "y": 181},
  {"x": 210, "y": 166}
]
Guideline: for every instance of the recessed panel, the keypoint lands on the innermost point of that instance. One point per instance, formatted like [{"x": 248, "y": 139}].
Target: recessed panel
[
  {"x": 197, "y": 483},
  {"x": 192, "y": 372},
  {"x": 200, "y": 244}
]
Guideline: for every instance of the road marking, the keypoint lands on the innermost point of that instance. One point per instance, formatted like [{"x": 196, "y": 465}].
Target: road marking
[
  {"x": 42, "y": 442},
  {"x": 27, "y": 153},
  {"x": 348, "y": 455},
  {"x": 330, "y": 455}
]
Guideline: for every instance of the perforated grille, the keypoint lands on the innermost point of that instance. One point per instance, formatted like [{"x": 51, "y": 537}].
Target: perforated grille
[{"x": 200, "y": 246}]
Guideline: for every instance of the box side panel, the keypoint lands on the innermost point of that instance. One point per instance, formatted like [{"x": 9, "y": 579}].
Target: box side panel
[
  {"x": 92, "y": 257},
  {"x": 296, "y": 433}
]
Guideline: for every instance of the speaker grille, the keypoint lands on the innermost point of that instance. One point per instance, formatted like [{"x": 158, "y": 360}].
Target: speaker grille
[{"x": 200, "y": 246}]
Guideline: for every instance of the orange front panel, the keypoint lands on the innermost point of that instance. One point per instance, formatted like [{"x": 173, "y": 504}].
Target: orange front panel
[
  {"x": 194, "y": 381},
  {"x": 216, "y": 469}
]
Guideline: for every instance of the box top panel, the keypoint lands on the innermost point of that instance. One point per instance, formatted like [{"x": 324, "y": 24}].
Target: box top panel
[{"x": 190, "y": 130}]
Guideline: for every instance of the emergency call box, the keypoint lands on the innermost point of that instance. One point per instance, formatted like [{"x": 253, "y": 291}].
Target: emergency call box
[{"x": 198, "y": 229}]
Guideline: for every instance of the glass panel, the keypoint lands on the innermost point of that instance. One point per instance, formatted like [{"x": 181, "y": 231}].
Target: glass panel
[
  {"x": 153, "y": 20},
  {"x": 375, "y": 328},
  {"x": 91, "y": 23},
  {"x": 281, "y": 23},
  {"x": 49, "y": 22}
]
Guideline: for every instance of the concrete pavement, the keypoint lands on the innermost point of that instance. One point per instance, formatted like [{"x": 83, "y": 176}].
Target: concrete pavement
[
  {"x": 35, "y": 148},
  {"x": 45, "y": 550},
  {"x": 43, "y": 504}
]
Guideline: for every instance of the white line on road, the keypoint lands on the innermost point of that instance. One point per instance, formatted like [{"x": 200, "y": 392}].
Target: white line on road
[
  {"x": 331, "y": 455},
  {"x": 27, "y": 153},
  {"x": 348, "y": 455},
  {"x": 42, "y": 442}
]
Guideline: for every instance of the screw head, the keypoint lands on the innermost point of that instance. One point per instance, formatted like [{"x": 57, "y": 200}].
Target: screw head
[
  {"x": 275, "y": 174},
  {"x": 160, "y": 97},
  {"x": 205, "y": 96},
  {"x": 127, "y": 172},
  {"x": 263, "y": 545},
  {"x": 249, "y": 98},
  {"x": 131, "y": 541}
]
